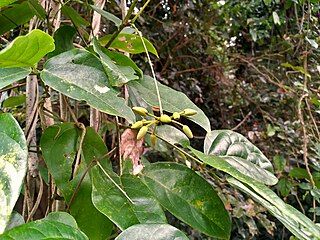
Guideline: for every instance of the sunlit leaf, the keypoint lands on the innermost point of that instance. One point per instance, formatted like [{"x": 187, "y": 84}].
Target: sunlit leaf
[
  {"x": 13, "y": 165},
  {"x": 80, "y": 75},
  {"x": 47, "y": 228},
  {"x": 26, "y": 51},
  {"x": 240, "y": 153}
]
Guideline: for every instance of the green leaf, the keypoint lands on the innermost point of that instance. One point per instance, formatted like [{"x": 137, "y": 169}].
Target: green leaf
[
  {"x": 130, "y": 43},
  {"x": 75, "y": 17},
  {"x": 11, "y": 75},
  {"x": 279, "y": 163},
  {"x": 122, "y": 60},
  {"x": 62, "y": 217},
  {"x": 38, "y": 9},
  {"x": 276, "y": 18},
  {"x": 152, "y": 232},
  {"x": 189, "y": 197},
  {"x": 26, "y": 51},
  {"x": 117, "y": 21},
  {"x": 147, "y": 209},
  {"x": 296, "y": 68},
  {"x": 15, "y": 15},
  {"x": 299, "y": 173},
  {"x": 45, "y": 229},
  {"x": 59, "y": 144},
  {"x": 63, "y": 39},
  {"x": 4, "y": 3},
  {"x": 79, "y": 74},
  {"x": 13, "y": 165},
  {"x": 14, "y": 101},
  {"x": 296, "y": 222},
  {"x": 241, "y": 154},
  {"x": 118, "y": 75},
  {"x": 284, "y": 186},
  {"x": 126, "y": 206},
  {"x": 172, "y": 100}
]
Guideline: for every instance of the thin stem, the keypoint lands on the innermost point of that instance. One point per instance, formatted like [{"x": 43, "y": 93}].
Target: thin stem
[
  {"x": 116, "y": 184},
  {"x": 179, "y": 149},
  {"x": 140, "y": 11},
  {"x": 152, "y": 70}
]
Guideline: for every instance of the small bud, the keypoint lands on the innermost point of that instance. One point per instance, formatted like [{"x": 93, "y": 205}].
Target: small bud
[
  {"x": 176, "y": 116},
  {"x": 137, "y": 125},
  {"x": 165, "y": 118},
  {"x": 153, "y": 139},
  {"x": 140, "y": 110},
  {"x": 187, "y": 131},
  {"x": 189, "y": 112},
  {"x": 142, "y": 132}
]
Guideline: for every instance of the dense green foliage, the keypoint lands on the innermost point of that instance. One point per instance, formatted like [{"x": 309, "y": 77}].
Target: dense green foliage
[{"x": 107, "y": 123}]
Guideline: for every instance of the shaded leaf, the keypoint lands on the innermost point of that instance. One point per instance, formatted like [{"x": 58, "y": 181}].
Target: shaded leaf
[
  {"x": 63, "y": 39},
  {"x": 14, "y": 101},
  {"x": 44, "y": 229},
  {"x": 79, "y": 74},
  {"x": 117, "y": 21},
  {"x": 11, "y": 75},
  {"x": 15, "y": 15},
  {"x": 59, "y": 144},
  {"x": 240, "y": 153},
  {"x": 172, "y": 100},
  {"x": 26, "y": 51},
  {"x": 152, "y": 232},
  {"x": 38, "y": 9},
  {"x": 189, "y": 197},
  {"x": 130, "y": 43},
  {"x": 13, "y": 165},
  {"x": 118, "y": 75},
  {"x": 74, "y": 16}
]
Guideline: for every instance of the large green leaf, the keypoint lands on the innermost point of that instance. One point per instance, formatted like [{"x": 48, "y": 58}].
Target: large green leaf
[
  {"x": 52, "y": 227},
  {"x": 130, "y": 205},
  {"x": 13, "y": 165},
  {"x": 118, "y": 75},
  {"x": 79, "y": 74},
  {"x": 289, "y": 216},
  {"x": 240, "y": 153},
  {"x": 152, "y": 232},
  {"x": 130, "y": 43},
  {"x": 172, "y": 100},
  {"x": 10, "y": 75},
  {"x": 296, "y": 222},
  {"x": 59, "y": 144},
  {"x": 26, "y": 51},
  {"x": 189, "y": 197},
  {"x": 15, "y": 15}
]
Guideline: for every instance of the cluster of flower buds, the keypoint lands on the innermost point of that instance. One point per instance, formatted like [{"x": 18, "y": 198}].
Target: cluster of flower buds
[{"x": 144, "y": 124}]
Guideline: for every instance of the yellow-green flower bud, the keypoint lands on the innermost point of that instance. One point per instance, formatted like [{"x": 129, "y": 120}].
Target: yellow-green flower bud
[
  {"x": 142, "y": 132},
  {"x": 153, "y": 139},
  {"x": 187, "y": 131},
  {"x": 165, "y": 118},
  {"x": 137, "y": 125},
  {"x": 189, "y": 112},
  {"x": 140, "y": 110},
  {"x": 176, "y": 116}
]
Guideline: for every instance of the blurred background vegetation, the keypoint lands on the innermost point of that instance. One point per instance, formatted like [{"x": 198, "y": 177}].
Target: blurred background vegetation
[{"x": 252, "y": 66}]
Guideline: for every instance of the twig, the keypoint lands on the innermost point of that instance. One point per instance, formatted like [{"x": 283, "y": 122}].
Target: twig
[
  {"x": 242, "y": 122},
  {"x": 37, "y": 203}
]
